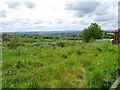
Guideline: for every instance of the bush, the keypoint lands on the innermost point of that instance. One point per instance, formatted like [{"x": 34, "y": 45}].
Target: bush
[
  {"x": 61, "y": 44},
  {"x": 47, "y": 37},
  {"x": 92, "y": 32},
  {"x": 14, "y": 45},
  {"x": 14, "y": 42}
]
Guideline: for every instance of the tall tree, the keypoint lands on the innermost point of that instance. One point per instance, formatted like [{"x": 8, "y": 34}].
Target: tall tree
[{"x": 92, "y": 32}]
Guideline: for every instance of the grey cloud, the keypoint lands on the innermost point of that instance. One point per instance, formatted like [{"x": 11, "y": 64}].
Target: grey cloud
[
  {"x": 100, "y": 12},
  {"x": 13, "y": 5},
  {"x": 23, "y": 22},
  {"x": 82, "y": 8},
  {"x": 59, "y": 21},
  {"x": 102, "y": 18},
  {"x": 103, "y": 13},
  {"x": 81, "y": 22},
  {"x": 3, "y": 14},
  {"x": 16, "y": 22},
  {"x": 37, "y": 22},
  {"x": 104, "y": 8},
  {"x": 105, "y": 18},
  {"x": 80, "y": 14},
  {"x": 6, "y": 23},
  {"x": 50, "y": 23},
  {"x": 29, "y": 5}
]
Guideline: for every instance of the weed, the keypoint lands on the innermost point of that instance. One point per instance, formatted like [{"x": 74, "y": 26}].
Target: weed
[
  {"x": 99, "y": 49},
  {"x": 96, "y": 54},
  {"x": 111, "y": 50},
  {"x": 57, "y": 63},
  {"x": 33, "y": 84},
  {"x": 10, "y": 73},
  {"x": 18, "y": 65},
  {"x": 64, "y": 56},
  {"x": 86, "y": 63},
  {"x": 61, "y": 44},
  {"x": 79, "y": 52}
]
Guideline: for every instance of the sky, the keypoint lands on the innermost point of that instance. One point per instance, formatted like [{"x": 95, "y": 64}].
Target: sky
[{"x": 57, "y": 15}]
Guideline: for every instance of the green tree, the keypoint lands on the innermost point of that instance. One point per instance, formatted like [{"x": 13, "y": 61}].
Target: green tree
[{"x": 92, "y": 32}]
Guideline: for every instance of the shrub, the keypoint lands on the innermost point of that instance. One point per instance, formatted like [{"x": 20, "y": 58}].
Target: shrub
[
  {"x": 61, "y": 44},
  {"x": 47, "y": 37},
  {"x": 13, "y": 44},
  {"x": 92, "y": 32},
  {"x": 36, "y": 37}
]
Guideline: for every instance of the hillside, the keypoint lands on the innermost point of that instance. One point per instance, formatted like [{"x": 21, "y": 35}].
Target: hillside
[{"x": 30, "y": 62}]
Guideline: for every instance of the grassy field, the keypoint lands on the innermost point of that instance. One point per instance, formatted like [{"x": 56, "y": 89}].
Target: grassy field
[{"x": 39, "y": 62}]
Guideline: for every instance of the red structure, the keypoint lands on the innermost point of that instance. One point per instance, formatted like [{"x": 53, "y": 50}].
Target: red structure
[{"x": 117, "y": 36}]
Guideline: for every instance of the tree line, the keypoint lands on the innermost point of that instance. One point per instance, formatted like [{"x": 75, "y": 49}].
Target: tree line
[{"x": 90, "y": 33}]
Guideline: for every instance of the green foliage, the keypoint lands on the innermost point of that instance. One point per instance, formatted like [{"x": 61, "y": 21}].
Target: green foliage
[
  {"x": 58, "y": 63},
  {"x": 99, "y": 49},
  {"x": 14, "y": 42},
  {"x": 61, "y": 44},
  {"x": 5, "y": 37},
  {"x": 102, "y": 76},
  {"x": 10, "y": 73},
  {"x": 47, "y": 37},
  {"x": 64, "y": 56},
  {"x": 108, "y": 35},
  {"x": 92, "y": 32},
  {"x": 79, "y": 52},
  {"x": 33, "y": 84},
  {"x": 18, "y": 65},
  {"x": 86, "y": 63}
]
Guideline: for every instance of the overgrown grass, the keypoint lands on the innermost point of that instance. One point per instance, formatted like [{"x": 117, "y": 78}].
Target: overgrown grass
[{"x": 58, "y": 63}]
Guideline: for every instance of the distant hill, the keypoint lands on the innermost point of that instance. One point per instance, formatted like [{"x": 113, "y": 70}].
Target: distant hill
[
  {"x": 109, "y": 30},
  {"x": 45, "y": 33},
  {"x": 67, "y": 32}
]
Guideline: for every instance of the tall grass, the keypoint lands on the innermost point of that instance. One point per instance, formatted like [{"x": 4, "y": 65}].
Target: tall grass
[{"x": 58, "y": 63}]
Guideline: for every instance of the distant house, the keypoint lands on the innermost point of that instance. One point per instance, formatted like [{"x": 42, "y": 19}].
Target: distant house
[{"x": 117, "y": 36}]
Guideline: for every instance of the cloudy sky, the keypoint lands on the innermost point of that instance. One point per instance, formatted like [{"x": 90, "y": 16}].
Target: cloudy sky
[{"x": 44, "y": 15}]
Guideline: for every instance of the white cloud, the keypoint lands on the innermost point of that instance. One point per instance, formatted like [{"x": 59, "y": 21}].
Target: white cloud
[{"x": 53, "y": 15}]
